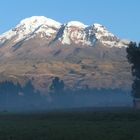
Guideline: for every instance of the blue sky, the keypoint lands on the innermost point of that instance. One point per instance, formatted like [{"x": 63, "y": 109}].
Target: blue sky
[{"x": 121, "y": 17}]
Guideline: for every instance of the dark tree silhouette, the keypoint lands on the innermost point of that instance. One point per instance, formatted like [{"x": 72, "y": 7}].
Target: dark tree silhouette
[
  {"x": 57, "y": 85},
  {"x": 15, "y": 95},
  {"x": 133, "y": 55},
  {"x": 9, "y": 93},
  {"x": 31, "y": 95},
  {"x": 8, "y": 87}
]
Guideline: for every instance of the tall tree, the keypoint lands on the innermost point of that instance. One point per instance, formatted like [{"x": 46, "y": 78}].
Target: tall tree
[
  {"x": 133, "y": 55},
  {"x": 57, "y": 85}
]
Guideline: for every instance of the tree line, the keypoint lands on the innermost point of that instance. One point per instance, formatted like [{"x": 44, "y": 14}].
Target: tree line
[{"x": 14, "y": 95}]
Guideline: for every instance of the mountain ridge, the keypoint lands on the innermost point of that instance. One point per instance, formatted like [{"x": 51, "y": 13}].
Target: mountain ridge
[{"x": 73, "y": 32}]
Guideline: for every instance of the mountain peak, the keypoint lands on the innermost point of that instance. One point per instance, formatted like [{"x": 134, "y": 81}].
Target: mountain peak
[
  {"x": 73, "y": 32},
  {"x": 101, "y": 30},
  {"x": 76, "y": 24},
  {"x": 29, "y": 27},
  {"x": 40, "y": 20},
  {"x": 97, "y": 25}
]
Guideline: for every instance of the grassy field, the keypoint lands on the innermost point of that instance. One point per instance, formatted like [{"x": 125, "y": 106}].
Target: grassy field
[{"x": 85, "y": 124}]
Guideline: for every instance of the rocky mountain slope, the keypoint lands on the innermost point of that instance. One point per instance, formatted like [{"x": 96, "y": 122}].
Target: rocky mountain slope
[{"x": 39, "y": 48}]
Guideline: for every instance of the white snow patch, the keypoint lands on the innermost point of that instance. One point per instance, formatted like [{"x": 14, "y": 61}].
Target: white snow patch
[
  {"x": 7, "y": 35},
  {"x": 30, "y": 26},
  {"x": 36, "y": 21},
  {"x": 101, "y": 31},
  {"x": 76, "y": 24},
  {"x": 66, "y": 38}
]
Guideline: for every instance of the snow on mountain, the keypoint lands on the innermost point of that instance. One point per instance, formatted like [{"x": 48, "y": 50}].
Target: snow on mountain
[
  {"x": 76, "y": 24},
  {"x": 101, "y": 31},
  {"x": 73, "y": 32},
  {"x": 76, "y": 32},
  {"x": 39, "y": 24},
  {"x": 105, "y": 37},
  {"x": 36, "y": 21},
  {"x": 31, "y": 26}
]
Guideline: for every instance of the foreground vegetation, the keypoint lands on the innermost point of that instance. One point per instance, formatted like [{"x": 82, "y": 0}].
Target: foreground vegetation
[{"x": 71, "y": 125}]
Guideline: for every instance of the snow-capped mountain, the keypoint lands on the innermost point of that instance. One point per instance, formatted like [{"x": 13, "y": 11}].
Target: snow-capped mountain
[
  {"x": 39, "y": 48},
  {"x": 73, "y": 32}
]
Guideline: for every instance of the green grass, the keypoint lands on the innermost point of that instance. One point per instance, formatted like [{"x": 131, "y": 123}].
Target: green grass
[{"x": 72, "y": 125}]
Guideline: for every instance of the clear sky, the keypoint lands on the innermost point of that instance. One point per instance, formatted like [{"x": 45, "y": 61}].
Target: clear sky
[{"x": 121, "y": 17}]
